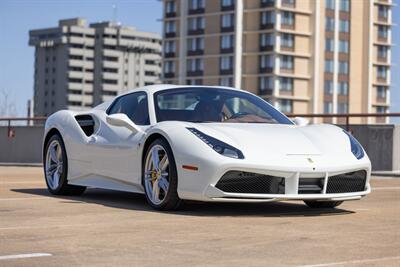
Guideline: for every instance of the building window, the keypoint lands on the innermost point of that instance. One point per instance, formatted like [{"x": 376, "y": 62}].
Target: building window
[
  {"x": 383, "y": 31},
  {"x": 226, "y": 63},
  {"x": 170, "y": 27},
  {"x": 266, "y": 62},
  {"x": 329, "y": 45},
  {"x": 226, "y": 42},
  {"x": 286, "y": 84},
  {"x": 170, "y": 7},
  {"x": 329, "y": 24},
  {"x": 195, "y": 64},
  {"x": 382, "y": 72},
  {"x": 328, "y": 107},
  {"x": 194, "y": 82},
  {"x": 267, "y": 3},
  {"x": 343, "y": 108},
  {"x": 343, "y": 67},
  {"x": 330, "y": 4},
  {"x": 344, "y": 46},
  {"x": 343, "y": 88},
  {"x": 267, "y": 41},
  {"x": 328, "y": 65},
  {"x": 285, "y": 105},
  {"x": 345, "y": 5},
  {"x": 169, "y": 67},
  {"x": 381, "y": 92},
  {"x": 382, "y": 51},
  {"x": 196, "y": 24},
  {"x": 227, "y": 21},
  {"x": 289, "y": 3},
  {"x": 226, "y": 3},
  {"x": 287, "y": 18},
  {"x": 383, "y": 11},
  {"x": 287, "y": 40},
  {"x": 328, "y": 87},
  {"x": 266, "y": 84},
  {"x": 380, "y": 109},
  {"x": 195, "y": 44},
  {"x": 169, "y": 47},
  {"x": 344, "y": 26},
  {"x": 226, "y": 81},
  {"x": 267, "y": 19},
  {"x": 196, "y": 4},
  {"x": 287, "y": 62}
]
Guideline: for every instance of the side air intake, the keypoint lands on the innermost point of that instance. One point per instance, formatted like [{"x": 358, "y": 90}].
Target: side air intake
[{"x": 86, "y": 122}]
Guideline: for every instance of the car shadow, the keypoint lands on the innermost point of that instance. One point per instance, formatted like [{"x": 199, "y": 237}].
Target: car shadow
[{"x": 132, "y": 201}]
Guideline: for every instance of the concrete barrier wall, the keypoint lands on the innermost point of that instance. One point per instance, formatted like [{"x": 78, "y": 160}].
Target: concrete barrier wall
[
  {"x": 382, "y": 143},
  {"x": 24, "y": 147}
]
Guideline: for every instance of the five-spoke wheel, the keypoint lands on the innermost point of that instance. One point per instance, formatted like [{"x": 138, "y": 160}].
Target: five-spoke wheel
[
  {"x": 55, "y": 163},
  {"x": 160, "y": 176}
]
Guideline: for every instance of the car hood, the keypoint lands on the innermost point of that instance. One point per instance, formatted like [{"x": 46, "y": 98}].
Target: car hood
[{"x": 276, "y": 139}]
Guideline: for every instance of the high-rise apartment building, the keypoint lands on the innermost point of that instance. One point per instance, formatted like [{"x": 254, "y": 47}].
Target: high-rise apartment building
[
  {"x": 303, "y": 56},
  {"x": 79, "y": 66}
]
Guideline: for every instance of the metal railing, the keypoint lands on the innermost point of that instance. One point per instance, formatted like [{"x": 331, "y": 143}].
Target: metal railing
[{"x": 347, "y": 117}]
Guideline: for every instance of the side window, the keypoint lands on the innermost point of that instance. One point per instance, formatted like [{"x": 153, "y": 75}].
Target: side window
[{"x": 134, "y": 105}]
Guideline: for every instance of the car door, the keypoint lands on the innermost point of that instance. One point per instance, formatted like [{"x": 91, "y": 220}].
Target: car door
[{"x": 115, "y": 147}]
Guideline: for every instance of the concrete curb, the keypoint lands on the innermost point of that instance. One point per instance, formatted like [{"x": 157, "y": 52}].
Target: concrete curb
[
  {"x": 395, "y": 174},
  {"x": 13, "y": 164}
]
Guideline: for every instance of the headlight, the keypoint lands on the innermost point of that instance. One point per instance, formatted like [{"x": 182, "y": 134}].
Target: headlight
[
  {"x": 218, "y": 146},
  {"x": 356, "y": 147}
]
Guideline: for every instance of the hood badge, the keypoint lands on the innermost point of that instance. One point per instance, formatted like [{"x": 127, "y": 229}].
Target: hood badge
[{"x": 310, "y": 160}]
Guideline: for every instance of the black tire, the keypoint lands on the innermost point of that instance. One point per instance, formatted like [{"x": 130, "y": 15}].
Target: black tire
[
  {"x": 171, "y": 200},
  {"x": 322, "y": 204},
  {"x": 63, "y": 187}
]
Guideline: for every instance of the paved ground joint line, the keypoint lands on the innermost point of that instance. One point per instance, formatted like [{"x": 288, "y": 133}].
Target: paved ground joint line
[
  {"x": 350, "y": 262},
  {"x": 23, "y": 256}
]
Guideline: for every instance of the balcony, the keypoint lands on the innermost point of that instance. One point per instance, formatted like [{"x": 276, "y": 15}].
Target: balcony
[{"x": 194, "y": 73}]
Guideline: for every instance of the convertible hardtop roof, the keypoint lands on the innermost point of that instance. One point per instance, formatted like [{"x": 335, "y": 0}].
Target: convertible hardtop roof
[
  {"x": 151, "y": 89},
  {"x": 159, "y": 87}
]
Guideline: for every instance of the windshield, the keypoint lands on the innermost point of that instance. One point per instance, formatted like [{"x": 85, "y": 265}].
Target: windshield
[{"x": 214, "y": 105}]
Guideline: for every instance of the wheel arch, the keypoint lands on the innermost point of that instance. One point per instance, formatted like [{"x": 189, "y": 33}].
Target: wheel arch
[{"x": 49, "y": 134}]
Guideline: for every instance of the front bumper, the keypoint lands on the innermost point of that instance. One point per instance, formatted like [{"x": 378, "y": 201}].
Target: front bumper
[{"x": 195, "y": 186}]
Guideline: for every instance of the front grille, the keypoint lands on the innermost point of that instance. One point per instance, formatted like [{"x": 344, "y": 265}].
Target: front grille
[
  {"x": 347, "y": 183},
  {"x": 251, "y": 183},
  {"x": 311, "y": 185}
]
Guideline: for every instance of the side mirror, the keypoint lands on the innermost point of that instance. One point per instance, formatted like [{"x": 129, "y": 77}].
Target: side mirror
[
  {"x": 300, "y": 121},
  {"x": 121, "y": 120}
]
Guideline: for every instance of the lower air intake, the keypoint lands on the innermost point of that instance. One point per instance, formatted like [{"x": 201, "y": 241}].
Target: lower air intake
[
  {"x": 347, "y": 183},
  {"x": 251, "y": 183}
]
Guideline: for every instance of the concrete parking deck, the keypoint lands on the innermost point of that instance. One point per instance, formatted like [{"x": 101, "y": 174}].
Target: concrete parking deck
[{"x": 118, "y": 229}]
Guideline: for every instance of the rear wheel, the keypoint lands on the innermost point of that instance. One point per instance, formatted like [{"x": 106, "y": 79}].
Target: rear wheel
[
  {"x": 56, "y": 167},
  {"x": 160, "y": 177},
  {"x": 322, "y": 204}
]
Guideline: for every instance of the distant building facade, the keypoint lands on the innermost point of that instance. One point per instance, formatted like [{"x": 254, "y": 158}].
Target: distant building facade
[
  {"x": 303, "y": 56},
  {"x": 79, "y": 66}
]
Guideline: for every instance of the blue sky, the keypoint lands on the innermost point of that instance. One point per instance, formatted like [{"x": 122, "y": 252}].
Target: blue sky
[{"x": 17, "y": 17}]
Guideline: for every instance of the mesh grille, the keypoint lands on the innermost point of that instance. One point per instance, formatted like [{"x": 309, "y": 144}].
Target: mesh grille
[
  {"x": 347, "y": 183},
  {"x": 251, "y": 183}
]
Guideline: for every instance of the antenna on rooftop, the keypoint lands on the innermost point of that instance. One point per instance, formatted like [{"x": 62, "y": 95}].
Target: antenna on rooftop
[{"x": 114, "y": 19}]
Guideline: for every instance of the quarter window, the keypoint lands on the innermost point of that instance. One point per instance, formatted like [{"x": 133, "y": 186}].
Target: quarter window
[{"x": 134, "y": 106}]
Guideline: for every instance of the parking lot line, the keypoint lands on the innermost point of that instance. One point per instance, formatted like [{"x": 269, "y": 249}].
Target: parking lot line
[
  {"x": 24, "y": 198},
  {"x": 23, "y": 256},
  {"x": 351, "y": 262},
  {"x": 386, "y": 188}
]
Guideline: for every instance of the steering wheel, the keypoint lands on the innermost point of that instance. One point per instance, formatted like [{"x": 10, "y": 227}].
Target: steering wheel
[{"x": 239, "y": 114}]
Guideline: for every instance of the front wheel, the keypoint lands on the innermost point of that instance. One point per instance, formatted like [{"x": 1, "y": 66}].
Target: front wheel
[
  {"x": 322, "y": 204},
  {"x": 55, "y": 168},
  {"x": 160, "y": 178}
]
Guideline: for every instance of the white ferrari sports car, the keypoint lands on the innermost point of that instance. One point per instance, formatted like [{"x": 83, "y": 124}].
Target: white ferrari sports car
[{"x": 176, "y": 143}]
